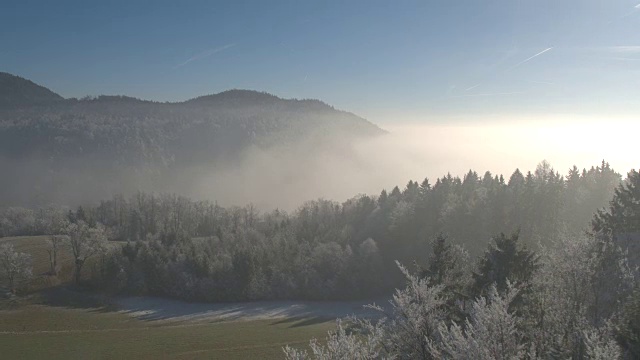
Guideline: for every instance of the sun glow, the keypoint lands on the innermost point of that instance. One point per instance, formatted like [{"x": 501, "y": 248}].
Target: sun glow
[{"x": 501, "y": 146}]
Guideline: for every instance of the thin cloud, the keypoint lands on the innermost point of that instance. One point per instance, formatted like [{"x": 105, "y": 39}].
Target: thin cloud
[
  {"x": 620, "y": 58},
  {"x": 530, "y": 58},
  {"x": 204, "y": 55},
  {"x": 624, "y": 49}
]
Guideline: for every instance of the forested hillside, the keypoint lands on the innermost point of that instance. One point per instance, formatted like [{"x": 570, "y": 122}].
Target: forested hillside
[{"x": 69, "y": 150}]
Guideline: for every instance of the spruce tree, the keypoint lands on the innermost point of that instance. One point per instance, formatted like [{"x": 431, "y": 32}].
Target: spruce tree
[{"x": 504, "y": 261}]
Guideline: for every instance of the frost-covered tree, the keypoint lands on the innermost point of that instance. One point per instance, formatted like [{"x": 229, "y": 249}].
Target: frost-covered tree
[
  {"x": 341, "y": 344},
  {"x": 402, "y": 332},
  {"x": 15, "y": 266},
  {"x": 413, "y": 320},
  {"x": 628, "y": 327},
  {"x": 449, "y": 266},
  {"x": 600, "y": 345},
  {"x": 561, "y": 295},
  {"x": 576, "y": 291},
  {"x": 54, "y": 222},
  {"x": 85, "y": 242},
  {"x": 490, "y": 333}
]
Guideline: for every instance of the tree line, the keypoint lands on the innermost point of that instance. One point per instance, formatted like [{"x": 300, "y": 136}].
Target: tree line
[{"x": 198, "y": 250}]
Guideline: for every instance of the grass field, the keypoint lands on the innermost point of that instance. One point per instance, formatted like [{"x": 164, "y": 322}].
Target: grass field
[
  {"x": 37, "y": 247},
  {"x": 39, "y": 332},
  {"x": 36, "y": 328}
]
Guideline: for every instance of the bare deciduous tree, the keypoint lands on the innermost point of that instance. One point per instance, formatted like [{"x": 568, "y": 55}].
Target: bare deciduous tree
[
  {"x": 85, "y": 242},
  {"x": 15, "y": 266},
  {"x": 54, "y": 224},
  {"x": 54, "y": 240}
]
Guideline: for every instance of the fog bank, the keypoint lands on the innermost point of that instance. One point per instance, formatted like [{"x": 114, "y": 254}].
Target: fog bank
[{"x": 286, "y": 177}]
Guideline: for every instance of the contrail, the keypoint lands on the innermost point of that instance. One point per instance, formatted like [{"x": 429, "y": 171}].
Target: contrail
[
  {"x": 635, "y": 9},
  {"x": 471, "y": 88},
  {"x": 204, "y": 55},
  {"x": 529, "y": 59},
  {"x": 488, "y": 94},
  {"x": 540, "y": 82}
]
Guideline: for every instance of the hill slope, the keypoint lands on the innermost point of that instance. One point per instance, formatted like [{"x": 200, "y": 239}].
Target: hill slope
[{"x": 17, "y": 92}]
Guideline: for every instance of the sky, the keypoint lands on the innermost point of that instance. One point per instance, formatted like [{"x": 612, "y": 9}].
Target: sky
[{"x": 388, "y": 61}]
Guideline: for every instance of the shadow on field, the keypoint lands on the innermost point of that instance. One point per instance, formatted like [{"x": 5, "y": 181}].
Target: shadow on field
[
  {"x": 294, "y": 313},
  {"x": 75, "y": 298},
  {"x": 298, "y": 322},
  {"x": 301, "y": 313}
]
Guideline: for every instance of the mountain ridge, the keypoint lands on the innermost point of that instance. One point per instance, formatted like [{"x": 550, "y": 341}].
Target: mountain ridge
[
  {"x": 16, "y": 91},
  {"x": 10, "y": 82}
]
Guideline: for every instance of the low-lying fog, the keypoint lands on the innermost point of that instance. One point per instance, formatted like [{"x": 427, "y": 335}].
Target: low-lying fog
[
  {"x": 285, "y": 178},
  {"x": 288, "y": 175}
]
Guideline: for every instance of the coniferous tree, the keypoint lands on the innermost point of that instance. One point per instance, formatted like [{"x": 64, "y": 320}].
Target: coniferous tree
[
  {"x": 628, "y": 329},
  {"x": 618, "y": 228},
  {"x": 505, "y": 261},
  {"x": 448, "y": 267},
  {"x": 623, "y": 216}
]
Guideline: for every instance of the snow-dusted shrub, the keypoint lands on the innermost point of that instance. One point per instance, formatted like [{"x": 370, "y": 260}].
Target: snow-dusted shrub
[{"x": 341, "y": 344}]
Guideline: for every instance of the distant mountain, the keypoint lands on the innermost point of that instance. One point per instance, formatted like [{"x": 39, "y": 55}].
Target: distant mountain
[
  {"x": 50, "y": 143},
  {"x": 18, "y": 92}
]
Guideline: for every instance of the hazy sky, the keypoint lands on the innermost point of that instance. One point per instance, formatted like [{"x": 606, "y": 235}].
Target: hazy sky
[{"x": 385, "y": 60}]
